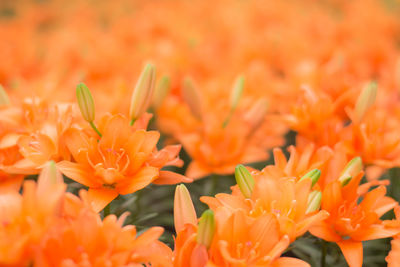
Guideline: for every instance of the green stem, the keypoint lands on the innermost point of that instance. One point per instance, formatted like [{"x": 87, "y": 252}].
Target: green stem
[
  {"x": 132, "y": 121},
  {"x": 95, "y": 128},
  {"x": 323, "y": 256}
]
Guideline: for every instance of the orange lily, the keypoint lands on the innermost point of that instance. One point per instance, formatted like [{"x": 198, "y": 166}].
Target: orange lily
[
  {"x": 217, "y": 134},
  {"x": 239, "y": 240},
  {"x": 351, "y": 222},
  {"x": 243, "y": 241},
  {"x": 25, "y": 218},
  {"x": 284, "y": 197},
  {"x": 124, "y": 160}
]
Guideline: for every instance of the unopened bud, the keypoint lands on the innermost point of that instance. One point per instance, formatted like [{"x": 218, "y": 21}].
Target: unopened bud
[
  {"x": 85, "y": 102},
  {"x": 49, "y": 176},
  {"x": 4, "y": 100},
  {"x": 143, "y": 92},
  {"x": 184, "y": 212},
  {"x": 237, "y": 91},
  {"x": 256, "y": 114},
  {"x": 206, "y": 229},
  {"x": 244, "y": 180},
  {"x": 314, "y": 175},
  {"x": 365, "y": 101},
  {"x": 192, "y": 97},
  {"x": 161, "y": 91},
  {"x": 352, "y": 168},
  {"x": 314, "y": 201}
]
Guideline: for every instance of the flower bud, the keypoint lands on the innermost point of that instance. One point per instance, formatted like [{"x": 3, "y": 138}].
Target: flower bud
[
  {"x": 237, "y": 91},
  {"x": 245, "y": 180},
  {"x": 256, "y": 114},
  {"x": 206, "y": 229},
  {"x": 184, "y": 212},
  {"x": 4, "y": 100},
  {"x": 143, "y": 92},
  {"x": 352, "y": 168},
  {"x": 314, "y": 175},
  {"x": 192, "y": 97},
  {"x": 85, "y": 102},
  {"x": 314, "y": 201},
  {"x": 161, "y": 91},
  {"x": 365, "y": 101}
]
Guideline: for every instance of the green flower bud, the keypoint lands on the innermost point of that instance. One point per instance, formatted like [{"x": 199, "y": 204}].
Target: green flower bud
[
  {"x": 245, "y": 180},
  {"x": 206, "y": 228}
]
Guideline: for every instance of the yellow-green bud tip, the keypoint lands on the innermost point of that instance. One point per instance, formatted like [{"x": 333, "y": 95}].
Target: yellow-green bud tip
[
  {"x": 352, "y": 168},
  {"x": 192, "y": 97},
  {"x": 161, "y": 91},
  {"x": 244, "y": 180},
  {"x": 143, "y": 92},
  {"x": 314, "y": 201},
  {"x": 365, "y": 101},
  {"x": 314, "y": 175},
  {"x": 85, "y": 102},
  {"x": 237, "y": 91},
  {"x": 206, "y": 228}
]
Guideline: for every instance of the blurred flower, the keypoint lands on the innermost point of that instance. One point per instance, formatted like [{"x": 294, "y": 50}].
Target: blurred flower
[{"x": 354, "y": 217}]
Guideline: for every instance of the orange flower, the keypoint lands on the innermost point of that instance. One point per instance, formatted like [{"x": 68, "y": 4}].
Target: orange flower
[
  {"x": 217, "y": 134},
  {"x": 48, "y": 227},
  {"x": 38, "y": 137},
  {"x": 83, "y": 239},
  {"x": 375, "y": 139},
  {"x": 24, "y": 219},
  {"x": 352, "y": 221},
  {"x": 243, "y": 241},
  {"x": 284, "y": 197},
  {"x": 122, "y": 161},
  {"x": 238, "y": 240}
]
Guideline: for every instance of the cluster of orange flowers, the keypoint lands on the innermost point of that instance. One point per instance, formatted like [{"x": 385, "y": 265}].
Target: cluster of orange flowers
[{"x": 236, "y": 77}]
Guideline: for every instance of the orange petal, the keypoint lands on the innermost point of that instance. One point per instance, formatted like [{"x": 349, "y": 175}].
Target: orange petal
[
  {"x": 279, "y": 158},
  {"x": 375, "y": 232},
  {"x": 199, "y": 256},
  {"x": 99, "y": 198},
  {"x": 352, "y": 251},
  {"x": 148, "y": 237},
  {"x": 324, "y": 230},
  {"x": 77, "y": 173},
  {"x": 196, "y": 171},
  {"x": 289, "y": 262},
  {"x": 167, "y": 177},
  {"x": 140, "y": 180}
]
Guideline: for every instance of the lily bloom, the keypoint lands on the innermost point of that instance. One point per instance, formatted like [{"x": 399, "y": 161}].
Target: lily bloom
[
  {"x": 352, "y": 221},
  {"x": 286, "y": 198},
  {"x": 375, "y": 139},
  {"x": 49, "y": 227},
  {"x": 243, "y": 241},
  {"x": 38, "y": 138},
  {"x": 124, "y": 160},
  {"x": 238, "y": 240},
  {"x": 81, "y": 238},
  {"x": 24, "y": 219},
  {"x": 217, "y": 134}
]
